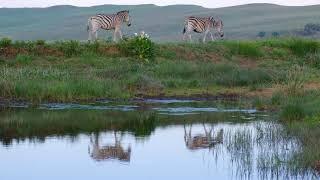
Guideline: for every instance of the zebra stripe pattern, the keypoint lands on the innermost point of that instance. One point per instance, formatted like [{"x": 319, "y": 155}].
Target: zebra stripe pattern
[
  {"x": 108, "y": 22},
  {"x": 202, "y": 25}
]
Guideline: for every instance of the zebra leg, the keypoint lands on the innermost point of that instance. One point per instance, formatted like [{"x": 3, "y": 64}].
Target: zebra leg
[
  {"x": 96, "y": 35},
  {"x": 205, "y": 36},
  {"x": 184, "y": 35},
  {"x": 211, "y": 36},
  {"x": 120, "y": 34},
  {"x": 89, "y": 38},
  {"x": 190, "y": 37},
  {"x": 114, "y": 35}
]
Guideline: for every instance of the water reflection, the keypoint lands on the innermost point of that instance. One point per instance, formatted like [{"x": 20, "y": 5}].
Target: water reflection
[
  {"x": 222, "y": 145},
  {"x": 110, "y": 151},
  {"x": 205, "y": 140}
]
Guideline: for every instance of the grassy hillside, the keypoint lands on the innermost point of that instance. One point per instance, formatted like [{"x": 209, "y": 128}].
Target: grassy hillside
[{"x": 162, "y": 23}]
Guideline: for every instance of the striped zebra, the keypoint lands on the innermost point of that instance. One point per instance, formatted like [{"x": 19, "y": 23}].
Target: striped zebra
[
  {"x": 108, "y": 22},
  {"x": 202, "y": 25},
  {"x": 108, "y": 152}
]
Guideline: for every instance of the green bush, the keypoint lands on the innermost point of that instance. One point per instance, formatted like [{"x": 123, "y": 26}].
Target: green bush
[
  {"x": 40, "y": 42},
  {"x": 5, "y": 42},
  {"x": 28, "y": 45},
  {"x": 19, "y": 44},
  {"x": 140, "y": 47},
  {"x": 69, "y": 48},
  {"x": 24, "y": 59}
]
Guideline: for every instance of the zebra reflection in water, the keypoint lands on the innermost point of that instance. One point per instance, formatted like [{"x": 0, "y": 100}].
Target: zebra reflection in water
[
  {"x": 205, "y": 140},
  {"x": 113, "y": 151}
]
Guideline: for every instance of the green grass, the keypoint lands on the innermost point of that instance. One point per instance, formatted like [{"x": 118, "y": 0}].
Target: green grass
[
  {"x": 245, "y": 48},
  {"x": 302, "y": 47},
  {"x": 71, "y": 70}
]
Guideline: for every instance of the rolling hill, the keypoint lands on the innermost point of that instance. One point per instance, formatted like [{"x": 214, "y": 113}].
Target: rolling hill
[{"x": 163, "y": 23}]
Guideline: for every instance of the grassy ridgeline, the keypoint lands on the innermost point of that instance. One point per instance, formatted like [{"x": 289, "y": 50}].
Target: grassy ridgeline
[{"x": 71, "y": 70}]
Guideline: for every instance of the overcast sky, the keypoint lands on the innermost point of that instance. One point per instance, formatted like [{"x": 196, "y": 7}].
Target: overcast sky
[{"x": 205, "y": 3}]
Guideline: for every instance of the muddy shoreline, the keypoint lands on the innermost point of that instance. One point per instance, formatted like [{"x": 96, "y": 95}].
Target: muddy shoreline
[{"x": 11, "y": 102}]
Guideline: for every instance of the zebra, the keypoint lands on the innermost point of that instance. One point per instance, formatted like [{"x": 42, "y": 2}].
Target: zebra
[
  {"x": 112, "y": 151},
  {"x": 108, "y": 22},
  {"x": 202, "y": 25}
]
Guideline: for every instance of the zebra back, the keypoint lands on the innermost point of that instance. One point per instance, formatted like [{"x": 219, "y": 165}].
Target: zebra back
[
  {"x": 199, "y": 24},
  {"x": 110, "y": 21}
]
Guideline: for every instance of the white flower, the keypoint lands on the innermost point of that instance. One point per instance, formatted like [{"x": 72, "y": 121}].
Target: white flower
[{"x": 136, "y": 34}]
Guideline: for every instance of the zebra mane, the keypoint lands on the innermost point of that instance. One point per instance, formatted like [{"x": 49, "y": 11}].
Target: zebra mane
[{"x": 125, "y": 11}]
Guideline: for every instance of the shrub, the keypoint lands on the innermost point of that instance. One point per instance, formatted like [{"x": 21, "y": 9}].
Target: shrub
[
  {"x": 30, "y": 46},
  {"x": 5, "y": 42},
  {"x": 139, "y": 46},
  {"x": 24, "y": 59},
  {"x": 310, "y": 28},
  {"x": 69, "y": 48},
  {"x": 295, "y": 81},
  {"x": 40, "y": 42},
  {"x": 261, "y": 34},
  {"x": 275, "y": 34}
]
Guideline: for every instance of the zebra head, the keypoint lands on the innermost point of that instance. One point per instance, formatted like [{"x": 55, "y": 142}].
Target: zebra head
[
  {"x": 218, "y": 25},
  {"x": 124, "y": 15}
]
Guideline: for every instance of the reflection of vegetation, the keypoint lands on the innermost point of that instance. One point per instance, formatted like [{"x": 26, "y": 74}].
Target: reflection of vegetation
[
  {"x": 276, "y": 150},
  {"x": 300, "y": 116},
  {"x": 268, "y": 147},
  {"x": 26, "y": 124},
  {"x": 41, "y": 124},
  {"x": 240, "y": 146}
]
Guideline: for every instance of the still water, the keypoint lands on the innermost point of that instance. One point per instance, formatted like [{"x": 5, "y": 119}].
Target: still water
[{"x": 153, "y": 139}]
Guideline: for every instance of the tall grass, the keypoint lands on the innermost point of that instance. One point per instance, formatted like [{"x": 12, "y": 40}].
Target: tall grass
[
  {"x": 302, "y": 47},
  {"x": 101, "y": 69},
  {"x": 245, "y": 48}
]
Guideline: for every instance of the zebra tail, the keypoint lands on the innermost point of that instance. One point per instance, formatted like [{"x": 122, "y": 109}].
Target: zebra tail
[{"x": 184, "y": 30}]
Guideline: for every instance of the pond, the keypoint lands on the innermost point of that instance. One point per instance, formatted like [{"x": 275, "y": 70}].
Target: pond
[{"x": 145, "y": 139}]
